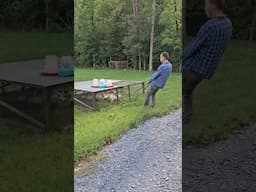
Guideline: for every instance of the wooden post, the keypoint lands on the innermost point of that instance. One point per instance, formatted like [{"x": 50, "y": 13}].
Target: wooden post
[
  {"x": 129, "y": 92},
  {"x": 143, "y": 87}
]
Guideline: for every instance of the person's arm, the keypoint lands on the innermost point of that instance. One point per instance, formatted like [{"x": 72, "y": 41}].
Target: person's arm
[
  {"x": 156, "y": 74},
  {"x": 196, "y": 44}
]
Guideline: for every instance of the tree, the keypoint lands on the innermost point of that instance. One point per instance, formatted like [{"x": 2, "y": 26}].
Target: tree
[
  {"x": 184, "y": 23},
  {"x": 253, "y": 20},
  {"x": 27, "y": 15},
  {"x": 171, "y": 35},
  {"x": 152, "y": 35},
  {"x": 121, "y": 30}
]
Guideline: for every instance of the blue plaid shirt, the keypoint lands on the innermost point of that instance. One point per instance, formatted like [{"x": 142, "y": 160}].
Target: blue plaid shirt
[
  {"x": 205, "y": 51},
  {"x": 160, "y": 77}
]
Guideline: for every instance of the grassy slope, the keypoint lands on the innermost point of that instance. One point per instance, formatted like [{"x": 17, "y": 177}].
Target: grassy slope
[
  {"x": 226, "y": 102},
  {"x": 94, "y": 129},
  {"x": 16, "y": 46}
]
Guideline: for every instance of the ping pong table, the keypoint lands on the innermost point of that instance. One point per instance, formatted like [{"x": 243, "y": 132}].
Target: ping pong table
[
  {"x": 29, "y": 74},
  {"x": 86, "y": 87}
]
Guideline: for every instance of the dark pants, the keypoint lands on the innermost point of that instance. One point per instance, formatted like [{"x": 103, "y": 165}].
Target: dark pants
[
  {"x": 152, "y": 90},
  {"x": 189, "y": 82}
]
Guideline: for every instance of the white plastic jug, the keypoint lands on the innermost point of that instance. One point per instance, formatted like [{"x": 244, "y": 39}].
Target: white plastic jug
[
  {"x": 66, "y": 62},
  {"x": 95, "y": 83},
  {"x": 51, "y": 65}
]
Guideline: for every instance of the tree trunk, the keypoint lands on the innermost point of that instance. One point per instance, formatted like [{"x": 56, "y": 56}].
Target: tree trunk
[
  {"x": 134, "y": 63},
  {"x": 144, "y": 64},
  {"x": 139, "y": 61},
  {"x": 134, "y": 7},
  {"x": 152, "y": 36},
  {"x": 253, "y": 24},
  {"x": 68, "y": 19},
  {"x": 94, "y": 62},
  {"x": 184, "y": 23},
  {"x": 46, "y": 15},
  {"x": 180, "y": 68},
  {"x": 176, "y": 21},
  {"x": 92, "y": 16},
  {"x": 23, "y": 13}
]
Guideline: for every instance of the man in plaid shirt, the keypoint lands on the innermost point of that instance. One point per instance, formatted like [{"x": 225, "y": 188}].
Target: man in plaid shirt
[{"x": 201, "y": 57}]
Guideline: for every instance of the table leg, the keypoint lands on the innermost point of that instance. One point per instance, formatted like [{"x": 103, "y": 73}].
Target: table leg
[
  {"x": 117, "y": 95},
  {"x": 129, "y": 92},
  {"x": 47, "y": 109},
  {"x": 3, "y": 85},
  {"x": 94, "y": 100},
  {"x": 22, "y": 114}
]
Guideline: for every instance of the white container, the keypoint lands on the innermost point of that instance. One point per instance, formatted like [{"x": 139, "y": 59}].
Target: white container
[
  {"x": 109, "y": 83},
  {"x": 95, "y": 83},
  {"x": 66, "y": 62},
  {"x": 51, "y": 65}
]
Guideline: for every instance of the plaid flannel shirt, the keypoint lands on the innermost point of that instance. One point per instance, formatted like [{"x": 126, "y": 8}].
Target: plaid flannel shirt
[{"x": 205, "y": 51}]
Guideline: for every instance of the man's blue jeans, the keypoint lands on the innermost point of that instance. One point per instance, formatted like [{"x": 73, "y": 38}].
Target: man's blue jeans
[
  {"x": 151, "y": 93},
  {"x": 189, "y": 82}
]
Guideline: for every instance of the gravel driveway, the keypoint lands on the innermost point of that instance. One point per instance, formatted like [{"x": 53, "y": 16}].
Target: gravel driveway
[
  {"x": 146, "y": 159},
  {"x": 225, "y": 166}
]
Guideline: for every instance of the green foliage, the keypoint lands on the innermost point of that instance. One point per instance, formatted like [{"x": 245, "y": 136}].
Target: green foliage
[
  {"x": 95, "y": 129},
  {"x": 27, "y": 15},
  {"x": 171, "y": 35},
  {"x": 241, "y": 13},
  {"x": 17, "y": 46},
  {"x": 114, "y": 30}
]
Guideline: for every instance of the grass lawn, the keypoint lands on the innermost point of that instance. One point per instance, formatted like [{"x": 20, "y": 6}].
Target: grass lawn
[
  {"x": 95, "y": 129},
  {"x": 33, "y": 161},
  {"x": 227, "y": 101},
  {"x": 16, "y": 46}
]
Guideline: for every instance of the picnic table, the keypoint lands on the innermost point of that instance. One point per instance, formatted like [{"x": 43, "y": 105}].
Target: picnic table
[
  {"x": 86, "y": 87},
  {"x": 29, "y": 74}
]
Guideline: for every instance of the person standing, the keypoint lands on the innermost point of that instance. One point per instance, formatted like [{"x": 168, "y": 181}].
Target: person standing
[
  {"x": 158, "y": 79},
  {"x": 201, "y": 57}
]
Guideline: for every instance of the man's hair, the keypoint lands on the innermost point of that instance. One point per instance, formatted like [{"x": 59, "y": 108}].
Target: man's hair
[
  {"x": 165, "y": 55},
  {"x": 220, "y": 4}
]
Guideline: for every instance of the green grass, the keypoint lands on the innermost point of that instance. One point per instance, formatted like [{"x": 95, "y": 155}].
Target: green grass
[
  {"x": 95, "y": 129},
  {"x": 17, "y": 46},
  {"x": 33, "y": 161},
  {"x": 227, "y": 101}
]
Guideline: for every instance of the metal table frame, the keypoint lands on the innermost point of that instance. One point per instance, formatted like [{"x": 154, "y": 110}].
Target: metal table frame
[
  {"x": 27, "y": 73},
  {"x": 46, "y": 98},
  {"x": 115, "y": 87}
]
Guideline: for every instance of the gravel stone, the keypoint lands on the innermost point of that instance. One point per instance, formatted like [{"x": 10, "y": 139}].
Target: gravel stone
[
  {"x": 228, "y": 166},
  {"x": 146, "y": 159}
]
